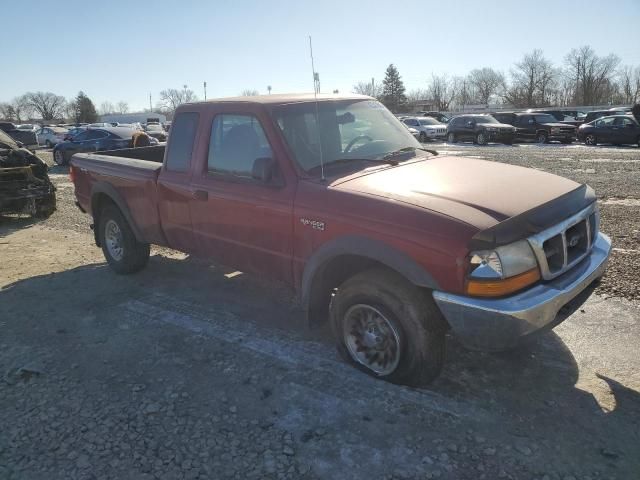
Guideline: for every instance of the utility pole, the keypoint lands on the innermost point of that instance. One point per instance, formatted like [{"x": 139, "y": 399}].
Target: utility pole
[
  {"x": 150, "y": 107},
  {"x": 269, "y": 89},
  {"x": 205, "y": 90}
]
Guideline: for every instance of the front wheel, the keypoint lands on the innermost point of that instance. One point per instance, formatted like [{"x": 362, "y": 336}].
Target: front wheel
[
  {"x": 58, "y": 157},
  {"x": 388, "y": 328},
  {"x": 481, "y": 138},
  {"x": 590, "y": 139},
  {"x": 542, "y": 137},
  {"x": 423, "y": 137},
  {"x": 120, "y": 247},
  {"x": 451, "y": 137}
]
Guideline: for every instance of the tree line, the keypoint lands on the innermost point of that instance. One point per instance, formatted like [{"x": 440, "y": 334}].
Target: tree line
[{"x": 584, "y": 78}]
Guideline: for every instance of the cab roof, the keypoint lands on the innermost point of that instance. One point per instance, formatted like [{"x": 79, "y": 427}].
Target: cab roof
[{"x": 285, "y": 98}]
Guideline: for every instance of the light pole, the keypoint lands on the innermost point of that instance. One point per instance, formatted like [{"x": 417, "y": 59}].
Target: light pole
[
  {"x": 269, "y": 89},
  {"x": 205, "y": 90}
]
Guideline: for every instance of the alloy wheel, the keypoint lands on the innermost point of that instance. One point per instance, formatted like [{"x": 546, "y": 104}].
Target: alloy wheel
[{"x": 114, "y": 240}]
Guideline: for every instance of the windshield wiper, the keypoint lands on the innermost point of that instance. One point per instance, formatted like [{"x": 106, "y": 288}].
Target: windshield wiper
[
  {"x": 339, "y": 161},
  {"x": 405, "y": 150}
]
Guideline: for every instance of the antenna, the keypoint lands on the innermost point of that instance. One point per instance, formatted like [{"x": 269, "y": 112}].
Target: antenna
[{"x": 316, "y": 83}]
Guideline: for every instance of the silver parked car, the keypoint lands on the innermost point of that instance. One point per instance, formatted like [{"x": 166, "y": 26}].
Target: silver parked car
[
  {"x": 50, "y": 136},
  {"x": 429, "y": 128}
]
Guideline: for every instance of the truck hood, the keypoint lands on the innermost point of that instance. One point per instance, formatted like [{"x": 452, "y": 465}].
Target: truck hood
[
  {"x": 477, "y": 192},
  {"x": 558, "y": 124}
]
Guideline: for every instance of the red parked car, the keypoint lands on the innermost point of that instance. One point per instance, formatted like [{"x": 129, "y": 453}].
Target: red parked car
[{"x": 391, "y": 243}]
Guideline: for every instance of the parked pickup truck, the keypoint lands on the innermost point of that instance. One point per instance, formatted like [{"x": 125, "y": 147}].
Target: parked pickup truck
[{"x": 391, "y": 243}]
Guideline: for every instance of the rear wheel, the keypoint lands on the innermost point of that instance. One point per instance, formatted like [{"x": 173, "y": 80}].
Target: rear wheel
[
  {"x": 481, "y": 138},
  {"x": 388, "y": 328},
  {"x": 451, "y": 137},
  {"x": 58, "y": 157},
  {"x": 542, "y": 137},
  {"x": 119, "y": 245},
  {"x": 590, "y": 139}
]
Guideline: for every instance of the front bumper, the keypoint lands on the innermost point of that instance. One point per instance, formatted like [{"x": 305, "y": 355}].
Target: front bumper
[{"x": 498, "y": 324}]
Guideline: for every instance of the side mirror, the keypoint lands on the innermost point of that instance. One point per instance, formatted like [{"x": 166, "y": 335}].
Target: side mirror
[
  {"x": 264, "y": 169},
  {"x": 470, "y": 123}
]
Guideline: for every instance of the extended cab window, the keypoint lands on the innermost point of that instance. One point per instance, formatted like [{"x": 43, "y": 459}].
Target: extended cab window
[
  {"x": 183, "y": 134},
  {"x": 236, "y": 142}
]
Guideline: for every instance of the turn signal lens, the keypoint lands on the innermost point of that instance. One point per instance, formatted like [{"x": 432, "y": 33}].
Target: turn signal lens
[
  {"x": 497, "y": 288},
  {"x": 72, "y": 173}
]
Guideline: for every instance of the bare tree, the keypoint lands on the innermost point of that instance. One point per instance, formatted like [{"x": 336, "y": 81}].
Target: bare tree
[
  {"x": 416, "y": 95},
  {"x": 531, "y": 81},
  {"x": 442, "y": 90},
  {"x": 17, "y": 110},
  {"x": 122, "y": 107},
  {"x": 592, "y": 75},
  {"x": 6, "y": 112},
  {"x": 172, "y": 97},
  {"x": 48, "y": 105},
  {"x": 486, "y": 82},
  {"x": 371, "y": 89},
  {"x": 248, "y": 92},
  {"x": 463, "y": 91},
  {"x": 629, "y": 84},
  {"x": 106, "y": 108}
]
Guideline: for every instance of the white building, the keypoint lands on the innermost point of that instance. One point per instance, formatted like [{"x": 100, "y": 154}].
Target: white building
[{"x": 142, "y": 117}]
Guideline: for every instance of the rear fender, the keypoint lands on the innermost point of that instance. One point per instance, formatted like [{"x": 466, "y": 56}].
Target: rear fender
[{"x": 102, "y": 191}]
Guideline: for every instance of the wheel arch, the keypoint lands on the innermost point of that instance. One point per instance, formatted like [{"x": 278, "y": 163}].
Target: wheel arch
[
  {"x": 344, "y": 257},
  {"x": 103, "y": 194}
]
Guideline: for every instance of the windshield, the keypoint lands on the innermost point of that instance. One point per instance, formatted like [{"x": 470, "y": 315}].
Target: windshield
[
  {"x": 545, "y": 118},
  {"x": 429, "y": 121},
  {"x": 358, "y": 129},
  {"x": 485, "y": 119}
]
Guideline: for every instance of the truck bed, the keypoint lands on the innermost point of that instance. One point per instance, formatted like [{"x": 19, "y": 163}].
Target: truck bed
[{"x": 131, "y": 176}]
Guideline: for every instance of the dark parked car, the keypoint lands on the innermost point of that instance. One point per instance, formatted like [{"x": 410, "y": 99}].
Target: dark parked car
[
  {"x": 537, "y": 127},
  {"x": 441, "y": 117},
  {"x": 93, "y": 140},
  {"x": 480, "y": 129},
  {"x": 616, "y": 129},
  {"x": 71, "y": 134},
  {"x": 23, "y": 137},
  {"x": 595, "y": 114}
]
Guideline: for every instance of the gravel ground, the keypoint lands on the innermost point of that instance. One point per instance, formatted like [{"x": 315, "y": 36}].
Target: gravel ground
[{"x": 183, "y": 371}]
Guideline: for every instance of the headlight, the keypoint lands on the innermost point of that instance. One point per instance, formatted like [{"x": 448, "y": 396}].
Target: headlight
[
  {"x": 502, "y": 271},
  {"x": 492, "y": 129}
]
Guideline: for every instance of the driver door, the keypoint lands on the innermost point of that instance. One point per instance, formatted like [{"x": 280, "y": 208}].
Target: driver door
[{"x": 238, "y": 218}]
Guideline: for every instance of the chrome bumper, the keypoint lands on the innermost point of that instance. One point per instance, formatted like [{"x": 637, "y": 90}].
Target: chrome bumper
[{"x": 498, "y": 324}]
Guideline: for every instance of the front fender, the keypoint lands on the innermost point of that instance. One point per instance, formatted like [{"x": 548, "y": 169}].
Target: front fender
[{"x": 365, "y": 247}]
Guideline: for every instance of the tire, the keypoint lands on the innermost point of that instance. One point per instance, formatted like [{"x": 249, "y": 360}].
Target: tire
[
  {"x": 58, "y": 157},
  {"x": 47, "y": 144},
  {"x": 542, "y": 137},
  {"x": 481, "y": 138},
  {"x": 423, "y": 137},
  {"x": 590, "y": 139},
  {"x": 407, "y": 326},
  {"x": 451, "y": 137},
  {"x": 123, "y": 252}
]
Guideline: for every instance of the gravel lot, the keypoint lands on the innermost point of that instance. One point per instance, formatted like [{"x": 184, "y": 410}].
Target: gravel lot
[{"x": 184, "y": 371}]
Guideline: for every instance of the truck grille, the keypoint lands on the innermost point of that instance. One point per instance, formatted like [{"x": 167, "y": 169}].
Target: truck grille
[
  {"x": 562, "y": 246},
  {"x": 568, "y": 130}
]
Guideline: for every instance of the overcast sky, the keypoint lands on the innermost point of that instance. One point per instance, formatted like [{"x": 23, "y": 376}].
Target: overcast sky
[{"x": 123, "y": 50}]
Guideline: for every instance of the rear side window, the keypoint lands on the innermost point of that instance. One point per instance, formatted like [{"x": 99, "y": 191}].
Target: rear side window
[
  {"x": 236, "y": 142},
  {"x": 183, "y": 134}
]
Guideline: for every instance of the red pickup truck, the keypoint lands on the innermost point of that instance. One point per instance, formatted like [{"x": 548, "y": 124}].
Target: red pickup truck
[{"x": 390, "y": 242}]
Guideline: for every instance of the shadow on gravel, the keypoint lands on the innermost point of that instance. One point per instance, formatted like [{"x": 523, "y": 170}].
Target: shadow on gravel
[
  {"x": 529, "y": 394},
  {"x": 11, "y": 223}
]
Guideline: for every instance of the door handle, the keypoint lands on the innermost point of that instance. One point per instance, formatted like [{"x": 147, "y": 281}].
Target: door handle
[{"x": 200, "y": 195}]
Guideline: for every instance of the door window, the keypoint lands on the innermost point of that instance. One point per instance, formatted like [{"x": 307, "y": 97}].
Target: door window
[
  {"x": 95, "y": 135},
  {"x": 183, "y": 134},
  {"x": 605, "y": 122},
  {"x": 235, "y": 144},
  {"x": 81, "y": 136}
]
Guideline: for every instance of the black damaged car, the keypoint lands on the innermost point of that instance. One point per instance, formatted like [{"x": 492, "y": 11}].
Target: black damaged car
[
  {"x": 25, "y": 186},
  {"x": 480, "y": 129}
]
